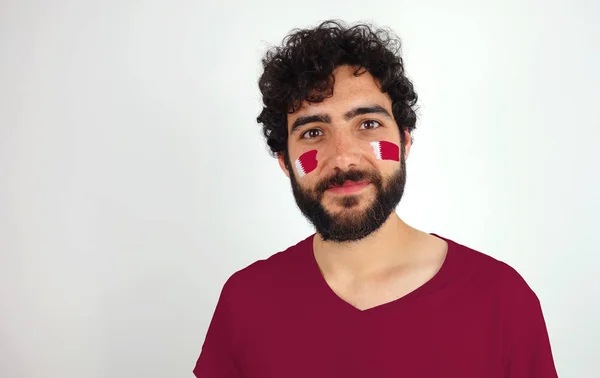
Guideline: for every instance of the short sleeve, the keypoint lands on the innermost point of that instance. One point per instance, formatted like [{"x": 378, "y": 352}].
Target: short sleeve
[
  {"x": 527, "y": 349},
  {"x": 216, "y": 358}
]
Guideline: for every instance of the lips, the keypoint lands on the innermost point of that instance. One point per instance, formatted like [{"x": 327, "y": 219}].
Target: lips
[
  {"x": 350, "y": 183},
  {"x": 346, "y": 183}
]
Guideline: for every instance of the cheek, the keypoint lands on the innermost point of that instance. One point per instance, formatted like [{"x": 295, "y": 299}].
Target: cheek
[
  {"x": 306, "y": 163},
  {"x": 385, "y": 150}
]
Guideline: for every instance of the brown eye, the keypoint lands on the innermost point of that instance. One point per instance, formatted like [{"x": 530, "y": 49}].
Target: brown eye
[
  {"x": 370, "y": 124},
  {"x": 312, "y": 133}
]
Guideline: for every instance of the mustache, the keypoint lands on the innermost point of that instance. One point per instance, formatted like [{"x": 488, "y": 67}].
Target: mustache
[{"x": 339, "y": 178}]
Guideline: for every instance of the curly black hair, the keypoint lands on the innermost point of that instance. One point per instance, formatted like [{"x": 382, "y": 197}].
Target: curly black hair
[{"x": 301, "y": 69}]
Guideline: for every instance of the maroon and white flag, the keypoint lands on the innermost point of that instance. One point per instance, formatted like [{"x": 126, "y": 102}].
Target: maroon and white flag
[
  {"x": 306, "y": 163},
  {"x": 386, "y": 150}
]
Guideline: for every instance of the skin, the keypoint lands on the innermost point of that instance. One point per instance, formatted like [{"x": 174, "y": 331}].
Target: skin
[{"x": 397, "y": 258}]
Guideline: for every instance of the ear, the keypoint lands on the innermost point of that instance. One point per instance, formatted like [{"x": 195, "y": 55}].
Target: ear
[
  {"x": 281, "y": 160},
  {"x": 407, "y": 143}
]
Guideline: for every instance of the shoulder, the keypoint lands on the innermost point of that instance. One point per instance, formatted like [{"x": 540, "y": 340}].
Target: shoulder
[
  {"x": 270, "y": 273},
  {"x": 491, "y": 272},
  {"x": 517, "y": 314}
]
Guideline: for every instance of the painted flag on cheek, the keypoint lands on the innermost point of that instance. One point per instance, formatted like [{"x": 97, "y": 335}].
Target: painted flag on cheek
[
  {"x": 386, "y": 150},
  {"x": 306, "y": 163}
]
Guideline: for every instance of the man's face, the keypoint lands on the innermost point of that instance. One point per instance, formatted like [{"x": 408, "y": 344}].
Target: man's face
[{"x": 348, "y": 192}]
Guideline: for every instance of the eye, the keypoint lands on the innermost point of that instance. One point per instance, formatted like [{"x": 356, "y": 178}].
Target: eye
[
  {"x": 370, "y": 124},
  {"x": 312, "y": 133}
]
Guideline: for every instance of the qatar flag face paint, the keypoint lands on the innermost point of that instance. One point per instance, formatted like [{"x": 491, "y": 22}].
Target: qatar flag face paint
[
  {"x": 386, "y": 150},
  {"x": 306, "y": 163}
]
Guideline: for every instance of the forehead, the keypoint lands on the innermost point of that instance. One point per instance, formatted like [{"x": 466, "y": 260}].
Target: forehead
[{"x": 348, "y": 91}]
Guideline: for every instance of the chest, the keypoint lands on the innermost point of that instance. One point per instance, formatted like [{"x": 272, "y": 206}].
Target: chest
[{"x": 448, "y": 340}]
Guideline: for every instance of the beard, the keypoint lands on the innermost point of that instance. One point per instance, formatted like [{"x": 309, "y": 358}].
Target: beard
[{"x": 350, "y": 224}]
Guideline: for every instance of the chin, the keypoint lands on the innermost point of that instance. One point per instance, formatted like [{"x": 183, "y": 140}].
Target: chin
[{"x": 347, "y": 205}]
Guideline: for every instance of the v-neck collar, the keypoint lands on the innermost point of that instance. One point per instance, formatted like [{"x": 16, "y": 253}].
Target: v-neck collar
[{"x": 436, "y": 281}]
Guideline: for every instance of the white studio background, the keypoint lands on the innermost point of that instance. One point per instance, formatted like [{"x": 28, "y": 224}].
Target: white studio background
[{"x": 135, "y": 179}]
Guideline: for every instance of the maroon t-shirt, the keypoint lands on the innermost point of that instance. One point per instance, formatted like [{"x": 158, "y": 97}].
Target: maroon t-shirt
[{"x": 278, "y": 318}]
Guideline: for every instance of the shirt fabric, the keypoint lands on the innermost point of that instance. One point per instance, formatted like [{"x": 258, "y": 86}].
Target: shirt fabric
[{"x": 278, "y": 318}]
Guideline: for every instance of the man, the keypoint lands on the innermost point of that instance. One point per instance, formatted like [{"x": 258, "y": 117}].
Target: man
[{"x": 367, "y": 295}]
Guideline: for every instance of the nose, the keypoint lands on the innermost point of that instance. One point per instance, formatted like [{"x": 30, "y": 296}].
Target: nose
[{"x": 345, "y": 150}]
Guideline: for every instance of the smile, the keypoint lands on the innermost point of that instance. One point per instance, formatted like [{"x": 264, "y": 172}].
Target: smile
[{"x": 349, "y": 187}]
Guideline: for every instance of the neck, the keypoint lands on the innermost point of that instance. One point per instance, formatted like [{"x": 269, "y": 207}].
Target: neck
[{"x": 390, "y": 245}]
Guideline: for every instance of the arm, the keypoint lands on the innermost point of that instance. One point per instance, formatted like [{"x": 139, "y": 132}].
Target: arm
[
  {"x": 527, "y": 349},
  {"x": 216, "y": 358}
]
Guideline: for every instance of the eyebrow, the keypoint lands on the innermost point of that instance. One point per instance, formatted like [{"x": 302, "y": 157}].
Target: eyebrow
[{"x": 325, "y": 118}]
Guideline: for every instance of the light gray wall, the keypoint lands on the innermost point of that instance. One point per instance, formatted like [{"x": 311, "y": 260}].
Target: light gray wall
[{"x": 134, "y": 179}]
